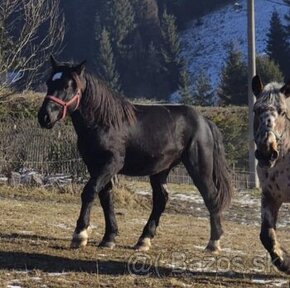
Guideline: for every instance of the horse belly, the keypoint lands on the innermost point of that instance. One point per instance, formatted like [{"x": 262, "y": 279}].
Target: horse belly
[{"x": 144, "y": 164}]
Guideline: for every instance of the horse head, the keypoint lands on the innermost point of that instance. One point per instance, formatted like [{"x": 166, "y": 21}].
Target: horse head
[
  {"x": 271, "y": 121},
  {"x": 64, "y": 90}
]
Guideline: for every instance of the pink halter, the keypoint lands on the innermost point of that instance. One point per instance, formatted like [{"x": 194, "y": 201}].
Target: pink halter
[{"x": 64, "y": 104}]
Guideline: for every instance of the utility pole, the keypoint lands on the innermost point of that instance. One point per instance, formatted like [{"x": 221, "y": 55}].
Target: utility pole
[{"x": 254, "y": 181}]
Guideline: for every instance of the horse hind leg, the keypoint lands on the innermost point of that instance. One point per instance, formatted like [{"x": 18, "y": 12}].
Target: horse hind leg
[
  {"x": 208, "y": 192},
  {"x": 206, "y": 164},
  {"x": 204, "y": 182},
  {"x": 269, "y": 213},
  {"x": 160, "y": 198}
]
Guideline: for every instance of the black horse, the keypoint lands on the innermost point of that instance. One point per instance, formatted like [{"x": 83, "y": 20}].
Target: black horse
[{"x": 117, "y": 137}]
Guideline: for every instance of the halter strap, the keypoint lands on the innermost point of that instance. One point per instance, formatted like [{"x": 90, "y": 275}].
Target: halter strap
[{"x": 64, "y": 104}]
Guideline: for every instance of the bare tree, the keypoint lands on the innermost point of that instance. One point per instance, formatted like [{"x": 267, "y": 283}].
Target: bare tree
[{"x": 30, "y": 30}]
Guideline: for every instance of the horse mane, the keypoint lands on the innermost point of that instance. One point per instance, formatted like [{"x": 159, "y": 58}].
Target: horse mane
[{"x": 100, "y": 104}]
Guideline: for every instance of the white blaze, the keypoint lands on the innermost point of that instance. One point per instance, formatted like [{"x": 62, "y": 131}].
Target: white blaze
[{"x": 57, "y": 76}]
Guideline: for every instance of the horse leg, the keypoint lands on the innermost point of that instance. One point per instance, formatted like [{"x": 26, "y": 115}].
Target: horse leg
[
  {"x": 95, "y": 185},
  {"x": 160, "y": 197},
  {"x": 208, "y": 192},
  {"x": 81, "y": 233},
  {"x": 111, "y": 227},
  {"x": 202, "y": 178},
  {"x": 269, "y": 213}
]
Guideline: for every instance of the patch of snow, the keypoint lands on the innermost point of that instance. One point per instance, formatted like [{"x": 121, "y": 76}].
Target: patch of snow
[
  {"x": 189, "y": 198},
  {"x": 199, "y": 247},
  {"x": 204, "y": 46},
  {"x": 102, "y": 255},
  {"x": 23, "y": 232},
  {"x": 57, "y": 274},
  {"x": 276, "y": 282},
  {"x": 36, "y": 278},
  {"x": 62, "y": 226},
  {"x": 143, "y": 193},
  {"x": 3, "y": 179}
]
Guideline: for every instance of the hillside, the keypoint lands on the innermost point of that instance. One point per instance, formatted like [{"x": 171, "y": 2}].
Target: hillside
[{"x": 205, "y": 40}]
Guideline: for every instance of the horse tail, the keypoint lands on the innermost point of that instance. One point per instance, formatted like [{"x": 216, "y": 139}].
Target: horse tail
[{"x": 221, "y": 173}]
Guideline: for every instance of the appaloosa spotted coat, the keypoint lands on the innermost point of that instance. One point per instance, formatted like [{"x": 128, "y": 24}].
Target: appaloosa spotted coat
[{"x": 271, "y": 132}]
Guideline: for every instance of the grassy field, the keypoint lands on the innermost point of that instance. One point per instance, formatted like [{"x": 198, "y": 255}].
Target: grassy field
[{"x": 37, "y": 224}]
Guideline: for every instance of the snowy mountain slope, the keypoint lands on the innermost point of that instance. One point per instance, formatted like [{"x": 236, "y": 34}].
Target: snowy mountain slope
[{"x": 204, "y": 46}]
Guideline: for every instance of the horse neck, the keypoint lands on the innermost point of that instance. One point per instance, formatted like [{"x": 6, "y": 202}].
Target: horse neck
[
  {"x": 79, "y": 123},
  {"x": 87, "y": 108},
  {"x": 101, "y": 107}
]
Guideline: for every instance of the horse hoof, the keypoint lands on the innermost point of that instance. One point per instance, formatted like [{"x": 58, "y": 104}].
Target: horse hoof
[
  {"x": 107, "y": 244},
  {"x": 213, "y": 247},
  {"x": 78, "y": 243},
  {"x": 143, "y": 245},
  {"x": 81, "y": 239},
  {"x": 283, "y": 264}
]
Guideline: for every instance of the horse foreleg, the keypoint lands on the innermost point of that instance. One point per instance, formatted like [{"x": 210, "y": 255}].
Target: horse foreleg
[
  {"x": 111, "y": 229},
  {"x": 269, "y": 213},
  {"x": 81, "y": 233},
  {"x": 160, "y": 197}
]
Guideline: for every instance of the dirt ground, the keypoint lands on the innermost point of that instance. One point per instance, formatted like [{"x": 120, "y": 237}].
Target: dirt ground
[{"x": 37, "y": 224}]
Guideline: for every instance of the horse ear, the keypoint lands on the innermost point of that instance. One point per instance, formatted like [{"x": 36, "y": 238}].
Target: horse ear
[
  {"x": 286, "y": 89},
  {"x": 257, "y": 85},
  {"x": 80, "y": 68},
  {"x": 53, "y": 62}
]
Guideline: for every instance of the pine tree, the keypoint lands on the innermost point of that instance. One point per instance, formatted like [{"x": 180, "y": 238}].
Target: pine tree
[
  {"x": 202, "y": 90},
  {"x": 184, "y": 88},
  {"x": 122, "y": 23},
  {"x": 233, "y": 79},
  {"x": 277, "y": 47},
  {"x": 171, "y": 50},
  {"x": 268, "y": 70},
  {"x": 106, "y": 63},
  {"x": 152, "y": 73}
]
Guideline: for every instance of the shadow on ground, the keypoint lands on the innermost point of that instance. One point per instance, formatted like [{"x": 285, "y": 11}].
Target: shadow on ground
[{"x": 10, "y": 260}]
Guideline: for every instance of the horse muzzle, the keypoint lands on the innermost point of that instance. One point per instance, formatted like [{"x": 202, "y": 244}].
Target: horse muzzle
[{"x": 45, "y": 119}]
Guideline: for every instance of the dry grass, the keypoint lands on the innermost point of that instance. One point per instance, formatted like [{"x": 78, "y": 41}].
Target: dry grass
[{"x": 36, "y": 226}]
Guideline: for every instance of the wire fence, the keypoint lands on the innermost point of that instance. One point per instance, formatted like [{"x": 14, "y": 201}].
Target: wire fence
[{"x": 25, "y": 146}]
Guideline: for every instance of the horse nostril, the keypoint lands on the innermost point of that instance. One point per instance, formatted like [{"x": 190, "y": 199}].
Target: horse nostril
[{"x": 45, "y": 118}]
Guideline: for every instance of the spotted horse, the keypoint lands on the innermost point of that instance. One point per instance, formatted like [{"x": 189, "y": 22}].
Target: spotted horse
[{"x": 272, "y": 137}]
